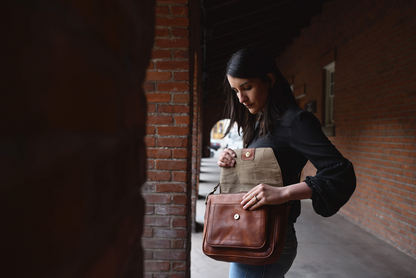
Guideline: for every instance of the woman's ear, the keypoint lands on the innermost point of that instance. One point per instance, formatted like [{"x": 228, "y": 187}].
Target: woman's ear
[{"x": 271, "y": 79}]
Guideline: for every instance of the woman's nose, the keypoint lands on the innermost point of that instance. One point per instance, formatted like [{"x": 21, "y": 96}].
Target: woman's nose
[{"x": 242, "y": 98}]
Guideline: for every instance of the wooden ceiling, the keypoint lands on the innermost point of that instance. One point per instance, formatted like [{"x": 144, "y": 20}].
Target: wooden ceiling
[{"x": 229, "y": 25}]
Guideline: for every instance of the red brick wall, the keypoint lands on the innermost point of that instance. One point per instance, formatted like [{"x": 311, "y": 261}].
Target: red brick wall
[
  {"x": 374, "y": 45},
  {"x": 72, "y": 127},
  {"x": 169, "y": 91}
]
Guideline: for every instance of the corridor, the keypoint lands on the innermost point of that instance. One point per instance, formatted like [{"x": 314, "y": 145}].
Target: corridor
[{"x": 328, "y": 247}]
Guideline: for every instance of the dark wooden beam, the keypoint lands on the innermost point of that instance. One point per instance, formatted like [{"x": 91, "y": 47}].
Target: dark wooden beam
[
  {"x": 257, "y": 24},
  {"x": 241, "y": 10}
]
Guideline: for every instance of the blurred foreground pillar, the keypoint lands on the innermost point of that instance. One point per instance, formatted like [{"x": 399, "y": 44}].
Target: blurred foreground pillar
[{"x": 72, "y": 157}]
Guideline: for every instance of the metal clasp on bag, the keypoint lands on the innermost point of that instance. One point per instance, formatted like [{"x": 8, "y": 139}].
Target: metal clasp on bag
[{"x": 248, "y": 154}]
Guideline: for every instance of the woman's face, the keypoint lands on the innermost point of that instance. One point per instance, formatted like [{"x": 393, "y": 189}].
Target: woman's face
[{"x": 252, "y": 92}]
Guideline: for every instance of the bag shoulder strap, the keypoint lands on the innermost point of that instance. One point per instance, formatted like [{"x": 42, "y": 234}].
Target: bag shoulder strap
[{"x": 212, "y": 192}]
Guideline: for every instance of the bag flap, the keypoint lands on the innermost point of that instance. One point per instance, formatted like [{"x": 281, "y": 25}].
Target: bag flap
[{"x": 252, "y": 167}]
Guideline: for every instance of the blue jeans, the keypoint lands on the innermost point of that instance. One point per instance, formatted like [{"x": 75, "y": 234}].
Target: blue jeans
[{"x": 276, "y": 270}]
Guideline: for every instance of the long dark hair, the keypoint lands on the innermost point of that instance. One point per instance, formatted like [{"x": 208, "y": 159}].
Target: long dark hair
[{"x": 254, "y": 62}]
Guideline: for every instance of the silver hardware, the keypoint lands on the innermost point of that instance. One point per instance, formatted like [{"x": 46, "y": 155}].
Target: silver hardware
[{"x": 236, "y": 216}]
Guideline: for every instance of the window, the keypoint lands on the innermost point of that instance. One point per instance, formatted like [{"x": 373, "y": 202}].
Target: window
[
  {"x": 220, "y": 128},
  {"x": 329, "y": 99}
]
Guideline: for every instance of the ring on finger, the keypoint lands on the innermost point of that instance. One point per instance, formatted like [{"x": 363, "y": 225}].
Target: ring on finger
[{"x": 256, "y": 198}]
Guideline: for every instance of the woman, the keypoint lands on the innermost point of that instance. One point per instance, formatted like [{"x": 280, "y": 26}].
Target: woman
[{"x": 261, "y": 102}]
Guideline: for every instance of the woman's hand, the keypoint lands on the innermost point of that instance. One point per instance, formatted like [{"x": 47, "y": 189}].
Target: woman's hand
[
  {"x": 226, "y": 158},
  {"x": 264, "y": 194}
]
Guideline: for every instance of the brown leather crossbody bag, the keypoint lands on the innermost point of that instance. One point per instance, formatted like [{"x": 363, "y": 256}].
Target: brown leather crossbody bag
[{"x": 233, "y": 234}]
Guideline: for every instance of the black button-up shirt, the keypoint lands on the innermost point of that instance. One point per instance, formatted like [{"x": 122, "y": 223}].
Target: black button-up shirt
[{"x": 297, "y": 138}]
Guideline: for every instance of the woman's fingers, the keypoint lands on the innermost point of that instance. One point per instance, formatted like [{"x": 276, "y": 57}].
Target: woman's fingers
[
  {"x": 226, "y": 158},
  {"x": 257, "y": 204},
  {"x": 263, "y": 194},
  {"x": 252, "y": 201}
]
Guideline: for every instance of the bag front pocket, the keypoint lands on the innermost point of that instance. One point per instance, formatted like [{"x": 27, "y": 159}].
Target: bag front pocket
[{"x": 231, "y": 226}]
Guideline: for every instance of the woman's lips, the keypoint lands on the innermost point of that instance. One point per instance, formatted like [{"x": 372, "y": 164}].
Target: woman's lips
[{"x": 248, "y": 105}]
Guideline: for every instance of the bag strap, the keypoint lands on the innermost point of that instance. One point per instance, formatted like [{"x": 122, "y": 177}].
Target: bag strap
[{"x": 212, "y": 192}]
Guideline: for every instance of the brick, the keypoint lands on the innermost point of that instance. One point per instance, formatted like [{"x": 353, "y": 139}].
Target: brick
[
  {"x": 158, "y": 75},
  {"x": 171, "y": 255},
  {"x": 161, "y": 54},
  {"x": 177, "y": 244},
  {"x": 180, "y": 153},
  {"x": 157, "y": 221},
  {"x": 148, "y": 255},
  {"x": 170, "y": 210},
  {"x": 158, "y": 97},
  {"x": 173, "y": 87},
  {"x": 149, "y": 210},
  {"x": 150, "y": 243},
  {"x": 147, "y": 232},
  {"x": 150, "y": 130},
  {"x": 159, "y": 120},
  {"x": 148, "y": 87},
  {"x": 162, "y": 10},
  {"x": 179, "y": 176},
  {"x": 149, "y": 141},
  {"x": 172, "y": 65},
  {"x": 181, "y": 98},
  {"x": 182, "y": 120},
  {"x": 172, "y": 142},
  {"x": 158, "y": 175},
  {"x": 159, "y": 153},
  {"x": 150, "y": 164},
  {"x": 170, "y": 233},
  {"x": 157, "y": 199},
  {"x": 175, "y": 21},
  {"x": 171, "y": 165},
  {"x": 180, "y": 32},
  {"x": 170, "y": 187},
  {"x": 161, "y": 32},
  {"x": 156, "y": 266},
  {"x": 151, "y": 108},
  {"x": 181, "y": 76},
  {"x": 179, "y": 10},
  {"x": 179, "y": 199},
  {"x": 173, "y": 109},
  {"x": 179, "y": 266},
  {"x": 180, "y": 54},
  {"x": 178, "y": 222},
  {"x": 172, "y": 130},
  {"x": 171, "y": 43}
]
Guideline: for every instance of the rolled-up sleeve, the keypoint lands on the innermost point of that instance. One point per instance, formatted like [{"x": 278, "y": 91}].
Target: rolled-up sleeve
[{"x": 335, "y": 180}]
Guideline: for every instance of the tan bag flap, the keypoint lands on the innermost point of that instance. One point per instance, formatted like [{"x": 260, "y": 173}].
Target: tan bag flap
[{"x": 259, "y": 166}]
